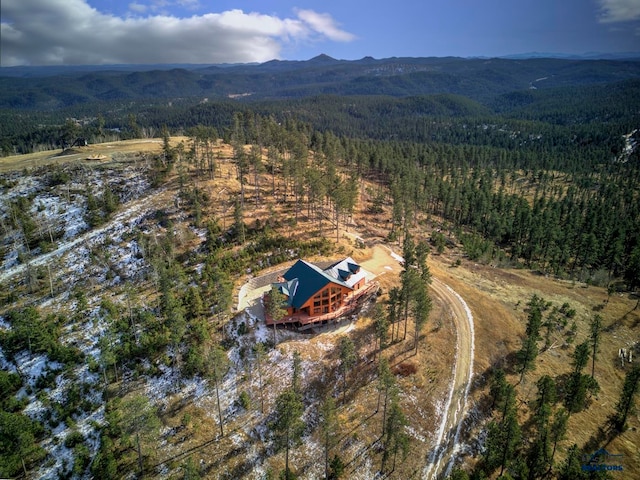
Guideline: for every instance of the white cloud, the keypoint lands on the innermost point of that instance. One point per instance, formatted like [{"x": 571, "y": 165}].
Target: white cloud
[
  {"x": 52, "y": 32},
  {"x": 189, "y": 3},
  {"x": 323, "y": 23},
  {"x": 614, "y": 11},
  {"x": 160, "y": 7},
  {"x": 137, "y": 7}
]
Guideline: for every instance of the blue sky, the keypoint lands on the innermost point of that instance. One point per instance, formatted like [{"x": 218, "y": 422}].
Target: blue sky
[{"x": 58, "y": 32}]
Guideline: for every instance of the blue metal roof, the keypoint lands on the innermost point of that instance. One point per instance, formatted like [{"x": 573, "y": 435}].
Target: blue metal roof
[{"x": 311, "y": 279}]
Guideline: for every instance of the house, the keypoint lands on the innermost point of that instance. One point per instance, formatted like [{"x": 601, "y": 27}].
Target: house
[{"x": 315, "y": 295}]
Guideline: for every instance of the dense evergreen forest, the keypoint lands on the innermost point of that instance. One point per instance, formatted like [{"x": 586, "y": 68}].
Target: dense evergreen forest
[
  {"x": 547, "y": 177},
  {"x": 519, "y": 169}
]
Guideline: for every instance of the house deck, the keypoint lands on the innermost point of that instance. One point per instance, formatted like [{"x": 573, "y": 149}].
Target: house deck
[{"x": 303, "y": 322}]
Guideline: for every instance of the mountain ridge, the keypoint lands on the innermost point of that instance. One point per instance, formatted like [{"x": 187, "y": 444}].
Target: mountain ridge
[{"x": 481, "y": 79}]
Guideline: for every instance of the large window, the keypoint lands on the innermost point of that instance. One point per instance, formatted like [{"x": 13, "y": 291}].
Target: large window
[{"x": 336, "y": 297}]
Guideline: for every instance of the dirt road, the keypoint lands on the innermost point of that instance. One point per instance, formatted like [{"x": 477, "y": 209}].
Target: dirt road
[{"x": 442, "y": 455}]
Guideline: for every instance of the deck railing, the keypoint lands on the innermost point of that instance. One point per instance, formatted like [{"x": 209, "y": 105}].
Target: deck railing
[{"x": 351, "y": 303}]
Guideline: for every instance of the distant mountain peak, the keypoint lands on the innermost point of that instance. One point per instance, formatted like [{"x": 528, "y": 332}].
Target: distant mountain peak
[{"x": 322, "y": 58}]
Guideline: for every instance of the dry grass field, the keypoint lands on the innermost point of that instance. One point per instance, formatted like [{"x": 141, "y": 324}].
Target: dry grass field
[
  {"x": 102, "y": 152},
  {"x": 497, "y": 298}
]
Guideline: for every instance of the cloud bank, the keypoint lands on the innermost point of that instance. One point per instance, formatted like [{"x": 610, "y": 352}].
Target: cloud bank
[
  {"x": 616, "y": 11},
  {"x": 71, "y": 32}
]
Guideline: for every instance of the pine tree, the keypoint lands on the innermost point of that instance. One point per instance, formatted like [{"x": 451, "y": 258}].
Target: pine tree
[
  {"x": 260, "y": 355},
  {"x": 336, "y": 468},
  {"x": 511, "y": 435},
  {"x": 527, "y": 354},
  {"x": 421, "y": 310},
  {"x": 139, "y": 419},
  {"x": 330, "y": 429},
  {"x": 255, "y": 160},
  {"x": 348, "y": 359},
  {"x": 276, "y": 308},
  {"x": 503, "y": 439},
  {"x": 238, "y": 219},
  {"x": 218, "y": 364},
  {"x": 626, "y": 404},
  {"x": 386, "y": 384},
  {"x": 498, "y": 388},
  {"x": 571, "y": 469},
  {"x": 580, "y": 357},
  {"x": 540, "y": 448},
  {"x": 193, "y": 303},
  {"x": 409, "y": 278},
  {"x": 596, "y": 330},
  {"x": 579, "y": 385},
  {"x": 381, "y": 324},
  {"x": 393, "y": 307},
  {"x": 395, "y": 439},
  {"x": 557, "y": 432},
  {"x": 546, "y": 393},
  {"x": 287, "y": 425}
]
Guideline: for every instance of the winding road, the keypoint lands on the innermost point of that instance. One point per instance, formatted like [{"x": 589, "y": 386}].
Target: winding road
[
  {"x": 442, "y": 455},
  {"x": 441, "y": 458}
]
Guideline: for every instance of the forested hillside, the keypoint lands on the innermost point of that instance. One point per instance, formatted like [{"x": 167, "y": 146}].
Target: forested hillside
[{"x": 124, "y": 347}]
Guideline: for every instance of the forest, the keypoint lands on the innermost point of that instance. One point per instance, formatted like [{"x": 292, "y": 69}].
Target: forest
[{"x": 448, "y": 159}]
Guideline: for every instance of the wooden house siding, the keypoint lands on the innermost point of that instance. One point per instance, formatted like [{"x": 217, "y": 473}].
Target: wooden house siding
[
  {"x": 315, "y": 293},
  {"x": 326, "y": 300}
]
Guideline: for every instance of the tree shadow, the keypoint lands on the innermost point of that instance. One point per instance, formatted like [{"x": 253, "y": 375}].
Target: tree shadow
[
  {"x": 185, "y": 453},
  {"x": 618, "y": 322},
  {"x": 398, "y": 357},
  {"x": 216, "y": 440},
  {"x": 601, "y": 438}
]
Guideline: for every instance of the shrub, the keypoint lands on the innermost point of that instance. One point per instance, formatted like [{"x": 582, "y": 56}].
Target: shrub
[
  {"x": 242, "y": 328},
  {"x": 244, "y": 400},
  {"x": 82, "y": 458},
  {"x": 405, "y": 369},
  {"x": 73, "y": 439}
]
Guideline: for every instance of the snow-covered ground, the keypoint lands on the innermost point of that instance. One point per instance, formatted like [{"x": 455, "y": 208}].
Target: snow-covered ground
[
  {"x": 630, "y": 145},
  {"x": 59, "y": 211},
  {"x": 101, "y": 260}
]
